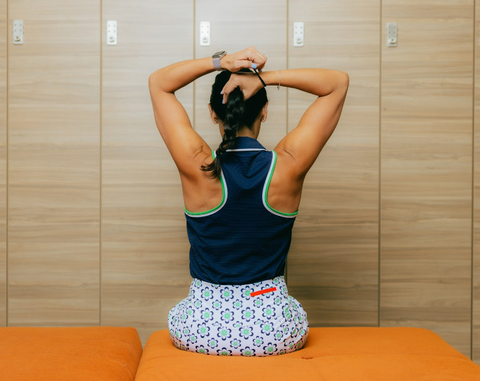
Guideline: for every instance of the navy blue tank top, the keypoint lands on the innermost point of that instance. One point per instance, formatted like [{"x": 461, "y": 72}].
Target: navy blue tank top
[{"x": 242, "y": 240}]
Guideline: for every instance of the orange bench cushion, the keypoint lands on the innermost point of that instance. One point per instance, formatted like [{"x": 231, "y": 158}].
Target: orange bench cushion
[
  {"x": 71, "y": 353},
  {"x": 331, "y": 354}
]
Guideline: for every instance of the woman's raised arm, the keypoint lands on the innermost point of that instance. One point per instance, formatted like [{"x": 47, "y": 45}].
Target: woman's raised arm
[
  {"x": 299, "y": 149},
  {"x": 188, "y": 149},
  {"x": 304, "y": 143},
  {"x": 172, "y": 120}
]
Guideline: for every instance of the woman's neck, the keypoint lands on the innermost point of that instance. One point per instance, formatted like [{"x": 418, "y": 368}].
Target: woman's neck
[{"x": 245, "y": 131}]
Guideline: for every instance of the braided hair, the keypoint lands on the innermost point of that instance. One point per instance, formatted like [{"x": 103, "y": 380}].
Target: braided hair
[{"x": 235, "y": 114}]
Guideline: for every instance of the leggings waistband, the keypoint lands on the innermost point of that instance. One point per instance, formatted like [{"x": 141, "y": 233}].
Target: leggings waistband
[{"x": 269, "y": 288}]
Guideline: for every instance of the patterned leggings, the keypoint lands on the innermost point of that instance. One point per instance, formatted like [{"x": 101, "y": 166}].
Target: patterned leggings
[{"x": 258, "y": 319}]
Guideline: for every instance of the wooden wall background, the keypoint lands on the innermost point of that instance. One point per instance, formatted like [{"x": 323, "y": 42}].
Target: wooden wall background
[{"x": 91, "y": 217}]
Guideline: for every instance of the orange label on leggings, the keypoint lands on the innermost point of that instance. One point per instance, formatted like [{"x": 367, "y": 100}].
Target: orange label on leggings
[{"x": 263, "y": 291}]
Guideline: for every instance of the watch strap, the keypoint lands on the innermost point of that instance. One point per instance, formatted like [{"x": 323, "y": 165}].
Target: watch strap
[
  {"x": 216, "y": 59},
  {"x": 216, "y": 63}
]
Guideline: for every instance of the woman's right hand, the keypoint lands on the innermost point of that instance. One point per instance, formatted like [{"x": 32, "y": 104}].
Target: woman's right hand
[
  {"x": 247, "y": 58},
  {"x": 248, "y": 83}
]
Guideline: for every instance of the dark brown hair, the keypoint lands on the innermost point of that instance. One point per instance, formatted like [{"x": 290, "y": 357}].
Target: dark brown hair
[{"x": 235, "y": 114}]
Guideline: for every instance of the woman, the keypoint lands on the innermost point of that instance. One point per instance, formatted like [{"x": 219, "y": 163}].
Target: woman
[{"x": 241, "y": 201}]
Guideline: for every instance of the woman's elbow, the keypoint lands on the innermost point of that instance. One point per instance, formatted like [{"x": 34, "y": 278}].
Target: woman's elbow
[
  {"x": 345, "y": 79},
  {"x": 152, "y": 79},
  {"x": 155, "y": 82}
]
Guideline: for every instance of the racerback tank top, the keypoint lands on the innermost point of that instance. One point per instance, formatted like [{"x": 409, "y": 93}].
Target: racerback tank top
[{"x": 242, "y": 240}]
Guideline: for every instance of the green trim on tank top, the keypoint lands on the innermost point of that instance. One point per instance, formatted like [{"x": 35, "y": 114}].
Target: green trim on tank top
[
  {"x": 222, "y": 181},
  {"x": 265, "y": 193}
]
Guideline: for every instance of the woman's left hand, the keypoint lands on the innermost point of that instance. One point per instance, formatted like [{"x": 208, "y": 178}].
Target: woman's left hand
[{"x": 246, "y": 58}]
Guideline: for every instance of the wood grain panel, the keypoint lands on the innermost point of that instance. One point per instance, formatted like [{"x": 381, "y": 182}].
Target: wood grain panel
[
  {"x": 476, "y": 200},
  {"x": 144, "y": 244},
  {"x": 54, "y": 163},
  {"x": 426, "y": 170},
  {"x": 333, "y": 263},
  {"x": 234, "y": 27},
  {"x": 3, "y": 163}
]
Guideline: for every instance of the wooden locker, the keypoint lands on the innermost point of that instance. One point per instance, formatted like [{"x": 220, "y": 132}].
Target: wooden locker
[
  {"x": 3, "y": 163},
  {"x": 54, "y": 164},
  {"x": 426, "y": 168},
  {"x": 476, "y": 199},
  {"x": 144, "y": 243},
  {"x": 333, "y": 264}
]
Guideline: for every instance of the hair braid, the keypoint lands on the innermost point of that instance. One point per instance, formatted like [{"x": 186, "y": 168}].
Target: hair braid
[
  {"x": 235, "y": 107},
  {"x": 234, "y": 114}
]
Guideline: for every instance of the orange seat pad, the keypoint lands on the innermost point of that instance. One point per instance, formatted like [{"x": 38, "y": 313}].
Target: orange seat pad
[
  {"x": 330, "y": 354},
  {"x": 69, "y": 354}
]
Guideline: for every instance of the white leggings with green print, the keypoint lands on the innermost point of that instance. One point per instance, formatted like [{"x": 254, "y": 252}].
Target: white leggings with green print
[{"x": 258, "y": 319}]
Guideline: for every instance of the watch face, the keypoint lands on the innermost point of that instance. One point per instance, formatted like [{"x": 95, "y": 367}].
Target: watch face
[{"x": 219, "y": 54}]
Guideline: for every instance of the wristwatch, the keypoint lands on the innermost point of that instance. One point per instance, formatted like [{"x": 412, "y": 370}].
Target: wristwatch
[{"x": 216, "y": 59}]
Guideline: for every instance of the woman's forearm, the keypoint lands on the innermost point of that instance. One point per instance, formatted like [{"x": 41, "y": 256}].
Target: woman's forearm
[
  {"x": 319, "y": 82},
  {"x": 173, "y": 77}
]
